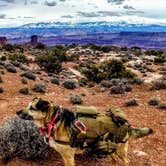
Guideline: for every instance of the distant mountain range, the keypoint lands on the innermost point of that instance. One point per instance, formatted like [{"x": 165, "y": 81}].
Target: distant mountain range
[
  {"x": 51, "y": 33},
  {"x": 118, "y": 26}
]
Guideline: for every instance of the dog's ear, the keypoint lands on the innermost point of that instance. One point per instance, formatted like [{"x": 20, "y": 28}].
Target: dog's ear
[{"x": 42, "y": 105}]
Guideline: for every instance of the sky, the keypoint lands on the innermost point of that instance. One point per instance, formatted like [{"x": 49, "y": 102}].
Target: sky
[{"x": 19, "y": 12}]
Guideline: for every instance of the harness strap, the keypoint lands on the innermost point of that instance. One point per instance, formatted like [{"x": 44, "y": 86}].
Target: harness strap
[
  {"x": 50, "y": 126},
  {"x": 81, "y": 126},
  {"x": 62, "y": 142}
]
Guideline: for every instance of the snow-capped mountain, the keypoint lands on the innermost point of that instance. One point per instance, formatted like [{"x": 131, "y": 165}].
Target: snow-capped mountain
[{"x": 105, "y": 26}]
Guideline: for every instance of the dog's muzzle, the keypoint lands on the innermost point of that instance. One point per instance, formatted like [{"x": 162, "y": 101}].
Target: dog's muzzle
[{"x": 21, "y": 114}]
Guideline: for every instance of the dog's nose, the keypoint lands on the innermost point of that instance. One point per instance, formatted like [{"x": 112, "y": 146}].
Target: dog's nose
[{"x": 19, "y": 112}]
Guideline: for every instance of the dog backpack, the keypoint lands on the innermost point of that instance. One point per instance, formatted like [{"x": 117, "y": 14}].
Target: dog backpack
[{"x": 105, "y": 130}]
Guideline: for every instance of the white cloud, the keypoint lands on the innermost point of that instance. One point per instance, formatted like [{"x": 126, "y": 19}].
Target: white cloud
[{"x": 27, "y": 11}]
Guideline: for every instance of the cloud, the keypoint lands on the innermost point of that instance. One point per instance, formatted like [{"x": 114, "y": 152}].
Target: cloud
[
  {"x": 2, "y": 16},
  {"x": 3, "y": 5},
  {"x": 135, "y": 12},
  {"x": 67, "y": 16},
  {"x": 88, "y": 14},
  {"x": 50, "y": 3},
  {"x": 108, "y": 13},
  {"x": 34, "y": 2},
  {"x": 9, "y": 1},
  {"x": 117, "y": 2},
  {"x": 99, "y": 14},
  {"x": 128, "y": 7}
]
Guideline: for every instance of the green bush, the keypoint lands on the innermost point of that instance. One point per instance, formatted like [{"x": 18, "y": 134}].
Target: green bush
[
  {"x": 160, "y": 59},
  {"x": 73, "y": 57},
  {"x": 40, "y": 46},
  {"x": 50, "y": 62},
  {"x": 105, "y": 70},
  {"x": 60, "y": 52},
  {"x": 18, "y": 57},
  {"x": 8, "y": 47},
  {"x": 154, "y": 52}
]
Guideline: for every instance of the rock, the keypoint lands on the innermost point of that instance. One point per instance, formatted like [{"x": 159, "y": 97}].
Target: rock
[
  {"x": 140, "y": 153},
  {"x": 39, "y": 87}
]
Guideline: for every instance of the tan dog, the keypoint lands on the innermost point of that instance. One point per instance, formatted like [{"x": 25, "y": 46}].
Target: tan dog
[{"x": 55, "y": 124}]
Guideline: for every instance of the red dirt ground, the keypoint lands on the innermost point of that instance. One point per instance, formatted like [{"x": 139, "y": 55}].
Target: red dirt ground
[{"x": 153, "y": 145}]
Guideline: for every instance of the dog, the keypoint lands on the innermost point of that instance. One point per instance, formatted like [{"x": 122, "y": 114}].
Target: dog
[{"x": 55, "y": 124}]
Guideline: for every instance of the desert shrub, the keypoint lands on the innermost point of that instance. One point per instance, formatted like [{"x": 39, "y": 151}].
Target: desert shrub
[
  {"x": 40, "y": 46},
  {"x": 50, "y": 62},
  {"x": 8, "y": 47},
  {"x": 105, "y": 70},
  {"x": 10, "y": 68},
  {"x": 138, "y": 80},
  {"x": 60, "y": 52},
  {"x": 55, "y": 81},
  {"x": 153, "y": 101},
  {"x": 1, "y": 80},
  {"x": 83, "y": 82},
  {"x": 69, "y": 84},
  {"x": 29, "y": 74},
  {"x": 124, "y": 59},
  {"x": 162, "y": 106},
  {"x": 24, "y": 91},
  {"x": 24, "y": 81},
  {"x": 2, "y": 72},
  {"x": 76, "y": 99},
  {"x": 131, "y": 102},
  {"x": 106, "y": 83},
  {"x": 15, "y": 63},
  {"x": 159, "y": 84},
  {"x": 18, "y": 57},
  {"x": 3, "y": 58},
  {"x": 1, "y": 90},
  {"x": 39, "y": 87},
  {"x": 160, "y": 59},
  {"x": 117, "y": 89},
  {"x": 21, "y": 138},
  {"x": 73, "y": 57},
  {"x": 154, "y": 52}
]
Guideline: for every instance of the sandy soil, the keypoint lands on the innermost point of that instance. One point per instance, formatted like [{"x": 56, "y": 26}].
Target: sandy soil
[{"x": 148, "y": 151}]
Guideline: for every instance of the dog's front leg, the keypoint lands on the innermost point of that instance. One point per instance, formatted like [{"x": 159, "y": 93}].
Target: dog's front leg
[{"x": 65, "y": 151}]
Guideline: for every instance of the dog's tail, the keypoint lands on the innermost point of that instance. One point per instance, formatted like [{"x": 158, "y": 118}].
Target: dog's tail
[{"x": 140, "y": 132}]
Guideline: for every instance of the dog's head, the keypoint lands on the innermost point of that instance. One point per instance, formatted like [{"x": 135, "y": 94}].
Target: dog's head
[{"x": 37, "y": 110}]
